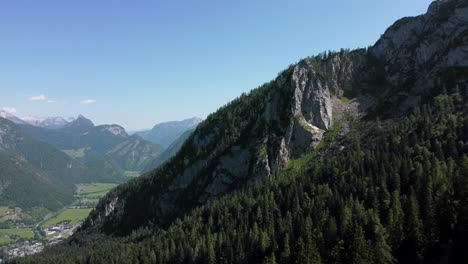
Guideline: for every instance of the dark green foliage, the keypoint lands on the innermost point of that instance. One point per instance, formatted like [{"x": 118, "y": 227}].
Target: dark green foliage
[{"x": 364, "y": 204}]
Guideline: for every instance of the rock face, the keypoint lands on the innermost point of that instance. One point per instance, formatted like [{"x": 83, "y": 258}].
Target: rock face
[
  {"x": 286, "y": 118},
  {"x": 296, "y": 111},
  {"x": 418, "y": 51},
  {"x": 115, "y": 130},
  {"x": 311, "y": 96}
]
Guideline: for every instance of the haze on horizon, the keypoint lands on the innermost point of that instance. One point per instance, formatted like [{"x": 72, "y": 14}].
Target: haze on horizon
[{"x": 140, "y": 64}]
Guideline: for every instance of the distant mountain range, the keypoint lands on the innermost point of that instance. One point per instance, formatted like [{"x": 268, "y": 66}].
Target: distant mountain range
[
  {"x": 80, "y": 138},
  {"x": 166, "y": 133},
  {"x": 45, "y": 157},
  {"x": 46, "y": 122},
  {"x": 86, "y": 142}
]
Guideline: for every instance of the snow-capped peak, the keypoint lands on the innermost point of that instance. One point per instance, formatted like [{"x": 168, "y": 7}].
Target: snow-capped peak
[
  {"x": 5, "y": 113},
  {"x": 47, "y": 122}
]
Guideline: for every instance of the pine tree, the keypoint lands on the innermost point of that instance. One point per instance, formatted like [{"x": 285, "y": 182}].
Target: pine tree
[
  {"x": 355, "y": 246},
  {"x": 411, "y": 247},
  {"x": 382, "y": 252},
  {"x": 286, "y": 253}
]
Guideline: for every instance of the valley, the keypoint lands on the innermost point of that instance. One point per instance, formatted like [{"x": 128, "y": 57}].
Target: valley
[{"x": 25, "y": 236}]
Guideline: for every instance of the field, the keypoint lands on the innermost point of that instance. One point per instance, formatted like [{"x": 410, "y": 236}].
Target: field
[
  {"x": 18, "y": 232},
  {"x": 11, "y": 235},
  {"x": 132, "y": 174},
  {"x": 8, "y": 213},
  {"x": 74, "y": 216},
  {"x": 93, "y": 190},
  {"x": 6, "y": 240}
]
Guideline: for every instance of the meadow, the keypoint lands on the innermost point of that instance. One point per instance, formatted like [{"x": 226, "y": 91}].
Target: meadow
[
  {"x": 73, "y": 216},
  {"x": 93, "y": 190}
]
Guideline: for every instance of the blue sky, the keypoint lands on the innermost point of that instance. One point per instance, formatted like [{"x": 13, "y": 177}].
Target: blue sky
[{"x": 137, "y": 63}]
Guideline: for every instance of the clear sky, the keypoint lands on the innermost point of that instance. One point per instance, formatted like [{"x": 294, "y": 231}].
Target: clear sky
[{"x": 140, "y": 62}]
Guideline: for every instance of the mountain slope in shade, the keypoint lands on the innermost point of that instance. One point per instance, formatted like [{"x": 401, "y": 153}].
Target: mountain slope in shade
[
  {"x": 25, "y": 186},
  {"x": 166, "y": 133},
  {"x": 34, "y": 173}
]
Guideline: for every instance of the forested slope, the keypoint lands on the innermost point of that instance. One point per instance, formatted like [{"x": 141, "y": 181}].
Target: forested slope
[
  {"x": 347, "y": 157},
  {"x": 389, "y": 190}
]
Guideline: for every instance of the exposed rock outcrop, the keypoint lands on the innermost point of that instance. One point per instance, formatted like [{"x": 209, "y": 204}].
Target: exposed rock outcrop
[
  {"x": 418, "y": 51},
  {"x": 290, "y": 125}
]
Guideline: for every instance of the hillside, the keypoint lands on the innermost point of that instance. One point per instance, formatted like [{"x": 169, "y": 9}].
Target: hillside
[
  {"x": 34, "y": 173},
  {"x": 26, "y": 187},
  {"x": 349, "y": 157}
]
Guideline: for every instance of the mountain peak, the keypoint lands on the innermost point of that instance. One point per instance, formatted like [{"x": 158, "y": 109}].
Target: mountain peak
[
  {"x": 80, "y": 121},
  {"x": 8, "y": 115}
]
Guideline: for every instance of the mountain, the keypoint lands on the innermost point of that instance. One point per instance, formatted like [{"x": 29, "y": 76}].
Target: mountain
[
  {"x": 169, "y": 152},
  {"x": 165, "y": 133},
  {"x": 346, "y": 157},
  {"x": 80, "y": 123},
  {"x": 47, "y": 122},
  {"x": 11, "y": 117},
  {"x": 26, "y": 186},
  {"x": 88, "y": 143},
  {"x": 33, "y": 173}
]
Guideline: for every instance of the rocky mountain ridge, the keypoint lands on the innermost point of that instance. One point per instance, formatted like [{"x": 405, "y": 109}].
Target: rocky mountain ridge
[{"x": 286, "y": 118}]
